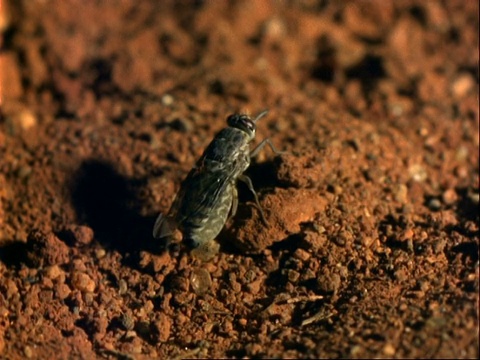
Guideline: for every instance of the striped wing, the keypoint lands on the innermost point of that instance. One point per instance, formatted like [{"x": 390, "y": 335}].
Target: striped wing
[{"x": 199, "y": 192}]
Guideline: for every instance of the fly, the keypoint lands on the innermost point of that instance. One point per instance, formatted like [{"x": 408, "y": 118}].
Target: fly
[{"x": 209, "y": 193}]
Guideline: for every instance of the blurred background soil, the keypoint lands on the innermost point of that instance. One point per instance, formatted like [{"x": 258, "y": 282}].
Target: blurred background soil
[{"x": 372, "y": 243}]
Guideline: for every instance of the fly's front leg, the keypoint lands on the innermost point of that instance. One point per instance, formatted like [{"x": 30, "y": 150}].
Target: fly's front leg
[
  {"x": 247, "y": 181},
  {"x": 260, "y": 146}
]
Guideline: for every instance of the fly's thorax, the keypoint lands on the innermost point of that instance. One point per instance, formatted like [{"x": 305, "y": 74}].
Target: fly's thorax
[
  {"x": 233, "y": 141},
  {"x": 228, "y": 146}
]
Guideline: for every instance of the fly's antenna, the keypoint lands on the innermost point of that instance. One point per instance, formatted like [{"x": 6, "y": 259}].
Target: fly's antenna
[{"x": 259, "y": 116}]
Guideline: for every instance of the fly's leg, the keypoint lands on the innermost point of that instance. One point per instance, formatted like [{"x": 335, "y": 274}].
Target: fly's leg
[
  {"x": 247, "y": 181},
  {"x": 205, "y": 250},
  {"x": 233, "y": 211},
  {"x": 260, "y": 146}
]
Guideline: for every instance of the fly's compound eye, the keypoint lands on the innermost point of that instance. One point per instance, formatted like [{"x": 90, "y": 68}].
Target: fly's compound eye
[{"x": 242, "y": 122}]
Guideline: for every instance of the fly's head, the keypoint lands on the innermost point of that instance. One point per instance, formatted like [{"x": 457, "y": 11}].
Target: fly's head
[{"x": 245, "y": 123}]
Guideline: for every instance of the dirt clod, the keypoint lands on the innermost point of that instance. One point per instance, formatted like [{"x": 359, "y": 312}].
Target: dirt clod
[
  {"x": 161, "y": 327},
  {"x": 282, "y": 206},
  {"x": 80, "y": 235},
  {"x": 83, "y": 282},
  {"x": 45, "y": 249}
]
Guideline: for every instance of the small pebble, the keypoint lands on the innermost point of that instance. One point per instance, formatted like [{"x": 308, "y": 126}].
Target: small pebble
[
  {"x": 389, "y": 350},
  {"x": 5, "y": 18},
  {"x": 161, "y": 328},
  {"x": 434, "y": 204},
  {"x": 337, "y": 189},
  {"x": 293, "y": 275},
  {"x": 462, "y": 153},
  {"x": 406, "y": 234},
  {"x": 302, "y": 254},
  {"x": 474, "y": 197},
  {"x": 275, "y": 29},
  {"x": 461, "y": 172},
  {"x": 328, "y": 282},
  {"x": 227, "y": 326},
  {"x": 167, "y": 100},
  {"x": 62, "y": 291},
  {"x": 367, "y": 241},
  {"x": 243, "y": 322},
  {"x": 200, "y": 281},
  {"x": 82, "y": 235},
  {"x": 100, "y": 253},
  {"x": 417, "y": 172},
  {"x": 12, "y": 289},
  {"x": 249, "y": 276},
  {"x": 130, "y": 334},
  {"x": 356, "y": 350},
  {"x": 122, "y": 287},
  {"x": 128, "y": 321},
  {"x": 79, "y": 265},
  {"x": 26, "y": 119},
  {"x": 27, "y": 350},
  {"x": 148, "y": 307},
  {"x": 255, "y": 286},
  {"x": 24, "y": 172},
  {"x": 53, "y": 272},
  {"x": 88, "y": 298},
  {"x": 462, "y": 85},
  {"x": 449, "y": 197},
  {"x": 401, "y": 193},
  {"x": 401, "y": 275},
  {"x": 83, "y": 282},
  {"x": 12, "y": 88}
]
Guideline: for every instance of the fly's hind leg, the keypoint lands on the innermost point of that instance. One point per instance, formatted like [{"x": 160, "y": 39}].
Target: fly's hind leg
[
  {"x": 247, "y": 181},
  {"x": 233, "y": 210},
  {"x": 205, "y": 250}
]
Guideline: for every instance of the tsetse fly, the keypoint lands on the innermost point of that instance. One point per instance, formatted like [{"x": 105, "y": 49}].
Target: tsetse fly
[{"x": 209, "y": 192}]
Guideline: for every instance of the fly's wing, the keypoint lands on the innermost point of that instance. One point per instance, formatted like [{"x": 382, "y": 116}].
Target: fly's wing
[
  {"x": 164, "y": 226},
  {"x": 204, "y": 184},
  {"x": 202, "y": 189}
]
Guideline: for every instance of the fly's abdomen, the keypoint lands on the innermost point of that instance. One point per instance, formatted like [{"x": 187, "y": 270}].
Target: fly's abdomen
[{"x": 205, "y": 226}]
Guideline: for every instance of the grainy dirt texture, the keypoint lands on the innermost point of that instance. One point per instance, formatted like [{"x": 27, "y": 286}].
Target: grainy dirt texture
[{"x": 372, "y": 246}]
